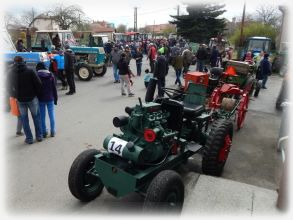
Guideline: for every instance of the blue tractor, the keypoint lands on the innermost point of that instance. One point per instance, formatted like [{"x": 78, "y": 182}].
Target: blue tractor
[
  {"x": 256, "y": 45},
  {"x": 89, "y": 60},
  {"x": 9, "y": 52},
  {"x": 31, "y": 58}
]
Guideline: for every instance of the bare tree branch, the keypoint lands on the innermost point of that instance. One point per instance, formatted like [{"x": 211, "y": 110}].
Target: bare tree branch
[
  {"x": 268, "y": 14},
  {"x": 67, "y": 16},
  {"x": 10, "y": 19},
  {"x": 28, "y": 16}
]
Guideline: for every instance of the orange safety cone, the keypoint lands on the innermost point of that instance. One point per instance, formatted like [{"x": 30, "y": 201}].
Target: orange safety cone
[{"x": 231, "y": 71}]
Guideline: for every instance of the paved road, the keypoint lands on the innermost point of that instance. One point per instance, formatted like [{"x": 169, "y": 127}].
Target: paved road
[{"x": 36, "y": 175}]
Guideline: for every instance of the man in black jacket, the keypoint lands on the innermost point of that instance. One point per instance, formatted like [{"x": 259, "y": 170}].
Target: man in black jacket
[
  {"x": 69, "y": 60},
  {"x": 25, "y": 86},
  {"x": 160, "y": 72},
  {"x": 201, "y": 56},
  {"x": 124, "y": 73},
  {"x": 266, "y": 70}
]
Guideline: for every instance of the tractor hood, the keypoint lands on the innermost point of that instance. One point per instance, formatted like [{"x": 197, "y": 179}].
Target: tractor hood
[
  {"x": 87, "y": 50},
  {"x": 29, "y": 57}
]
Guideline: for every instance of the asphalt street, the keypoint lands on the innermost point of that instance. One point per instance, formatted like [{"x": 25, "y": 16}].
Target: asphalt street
[{"x": 36, "y": 175}]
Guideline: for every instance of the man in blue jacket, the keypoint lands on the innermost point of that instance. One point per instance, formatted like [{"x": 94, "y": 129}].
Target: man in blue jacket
[{"x": 265, "y": 68}]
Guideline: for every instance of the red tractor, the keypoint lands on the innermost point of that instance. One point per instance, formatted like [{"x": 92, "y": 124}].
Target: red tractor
[{"x": 228, "y": 92}]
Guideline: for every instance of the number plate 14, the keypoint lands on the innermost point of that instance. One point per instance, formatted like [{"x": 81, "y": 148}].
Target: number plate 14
[{"x": 116, "y": 146}]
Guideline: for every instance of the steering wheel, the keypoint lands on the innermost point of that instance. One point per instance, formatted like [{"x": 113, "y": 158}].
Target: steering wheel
[{"x": 171, "y": 93}]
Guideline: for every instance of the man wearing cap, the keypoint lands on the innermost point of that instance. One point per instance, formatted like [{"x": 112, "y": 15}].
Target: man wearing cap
[{"x": 69, "y": 60}]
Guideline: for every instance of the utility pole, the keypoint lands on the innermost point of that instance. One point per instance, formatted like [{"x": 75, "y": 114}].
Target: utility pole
[
  {"x": 135, "y": 20},
  {"x": 154, "y": 30},
  {"x": 242, "y": 25},
  {"x": 33, "y": 14}
]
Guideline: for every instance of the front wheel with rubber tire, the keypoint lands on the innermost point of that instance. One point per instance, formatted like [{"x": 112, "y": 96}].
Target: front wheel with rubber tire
[
  {"x": 84, "y": 185},
  {"x": 217, "y": 147},
  {"x": 165, "y": 193},
  {"x": 84, "y": 72},
  {"x": 100, "y": 71}
]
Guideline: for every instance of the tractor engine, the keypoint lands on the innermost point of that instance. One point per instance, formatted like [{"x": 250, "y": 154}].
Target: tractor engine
[{"x": 146, "y": 138}]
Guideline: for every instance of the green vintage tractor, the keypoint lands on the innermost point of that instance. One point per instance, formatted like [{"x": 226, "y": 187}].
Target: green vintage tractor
[
  {"x": 90, "y": 61},
  {"x": 156, "y": 137}
]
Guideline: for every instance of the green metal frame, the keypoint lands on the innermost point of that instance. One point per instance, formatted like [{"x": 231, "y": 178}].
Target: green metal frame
[{"x": 120, "y": 182}]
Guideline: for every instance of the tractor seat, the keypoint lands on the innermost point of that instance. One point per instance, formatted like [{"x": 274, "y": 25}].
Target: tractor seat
[
  {"x": 193, "y": 111},
  {"x": 213, "y": 81},
  {"x": 194, "y": 100},
  {"x": 216, "y": 73}
]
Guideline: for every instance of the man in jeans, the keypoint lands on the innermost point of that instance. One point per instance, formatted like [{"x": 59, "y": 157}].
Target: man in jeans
[
  {"x": 124, "y": 73},
  {"x": 115, "y": 57},
  {"x": 26, "y": 85},
  {"x": 201, "y": 56}
]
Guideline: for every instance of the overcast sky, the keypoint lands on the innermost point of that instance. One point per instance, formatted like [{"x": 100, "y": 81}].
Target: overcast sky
[{"x": 149, "y": 11}]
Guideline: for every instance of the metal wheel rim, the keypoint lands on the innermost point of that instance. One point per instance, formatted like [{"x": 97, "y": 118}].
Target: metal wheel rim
[
  {"x": 242, "y": 112},
  {"x": 224, "y": 151},
  {"x": 90, "y": 182},
  {"x": 83, "y": 72},
  {"x": 98, "y": 70}
]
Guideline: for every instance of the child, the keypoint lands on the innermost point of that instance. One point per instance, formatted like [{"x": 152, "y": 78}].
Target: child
[{"x": 147, "y": 77}]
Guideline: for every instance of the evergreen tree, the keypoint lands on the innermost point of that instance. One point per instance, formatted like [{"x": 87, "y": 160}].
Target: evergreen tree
[{"x": 201, "y": 23}]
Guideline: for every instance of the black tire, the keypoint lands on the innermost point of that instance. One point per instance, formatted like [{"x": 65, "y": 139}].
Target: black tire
[
  {"x": 99, "y": 72},
  {"x": 165, "y": 193},
  {"x": 216, "y": 151},
  {"x": 83, "y": 186},
  {"x": 84, "y": 72}
]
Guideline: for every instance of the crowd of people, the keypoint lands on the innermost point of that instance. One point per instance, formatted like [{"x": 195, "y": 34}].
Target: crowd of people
[
  {"x": 160, "y": 54},
  {"x": 35, "y": 91}
]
